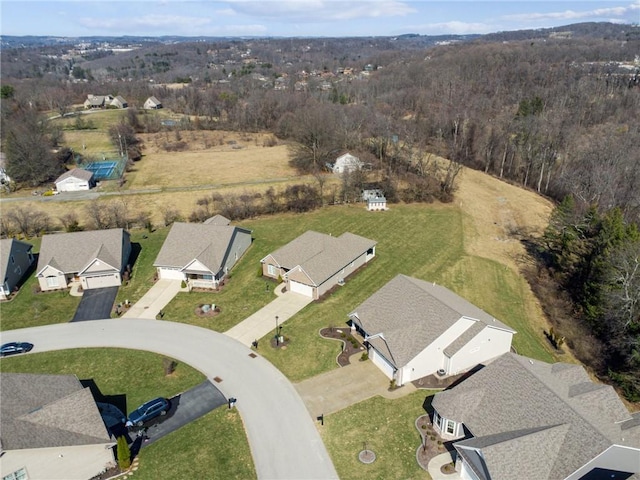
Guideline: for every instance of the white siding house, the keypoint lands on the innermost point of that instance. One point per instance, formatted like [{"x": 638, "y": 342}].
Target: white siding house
[
  {"x": 347, "y": 163},
  {"x": 75, "y": 180}
]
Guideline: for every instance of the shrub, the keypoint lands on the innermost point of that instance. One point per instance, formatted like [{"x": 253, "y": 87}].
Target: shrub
[
  {"x": 169, "y": 365},
  {"x": 364, "y": 357},
  {"x": 123, "y": 453},
  {"x": 183, "y": 284}
]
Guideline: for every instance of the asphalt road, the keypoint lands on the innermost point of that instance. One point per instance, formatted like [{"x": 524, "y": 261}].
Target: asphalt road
[
  {"x": 283, "y": 438},
  {"x": 96, "y": 303}
]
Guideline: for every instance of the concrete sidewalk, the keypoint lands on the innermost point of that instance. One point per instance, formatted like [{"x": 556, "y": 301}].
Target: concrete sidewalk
[
  {"x": 437, "y": 462},
  {"x": 340, "y": 388},
  {"x": 263, "y": 321},
  {"x": 154, "y": 300}
]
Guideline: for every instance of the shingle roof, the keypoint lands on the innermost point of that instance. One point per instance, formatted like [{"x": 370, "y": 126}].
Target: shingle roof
[
  {"x": 320, "y": 255},
  {"x": 76, "y": 173},
  {"x": 6, "y": 245},
  {"x": 411, "y": 313},
  {"x": 517, "y": 394},
  {"x": 72, "y": 252},
  {"x": 41, "y": 411},
  {"x": 217, "y": 220},
  {"x": 207, "y": 243}
]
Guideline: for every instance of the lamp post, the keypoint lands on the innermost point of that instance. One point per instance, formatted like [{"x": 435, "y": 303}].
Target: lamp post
[{"x": 277, "y": 333}]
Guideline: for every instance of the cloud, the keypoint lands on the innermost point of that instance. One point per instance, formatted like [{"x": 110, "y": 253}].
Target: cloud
[
  {"x": 450, "y": 28},
  {"x": 321, "y": 10},
  {"x": 600, "y": 13},
  {"x": 146, "y": 22}
]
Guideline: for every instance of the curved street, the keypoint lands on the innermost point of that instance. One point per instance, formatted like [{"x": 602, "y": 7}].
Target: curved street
[{"x": 283, "y": 438}]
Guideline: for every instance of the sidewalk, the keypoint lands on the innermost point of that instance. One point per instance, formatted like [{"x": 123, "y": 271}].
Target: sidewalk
[
  {"x": 437, "y": 462},
  {"x": 154, "y": 300},
  {"x": 263, "y": 321}
]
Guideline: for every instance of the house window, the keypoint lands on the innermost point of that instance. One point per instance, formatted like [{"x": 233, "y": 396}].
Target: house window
[
  {"x": 20, "y": 474},
  {"x": 207, "y": 277},
  {"x": 53, "y": 282},
  {"x": 451, "y": 425},
  {"x": 436, "y": 419},
  {"x": 271, "y": 270}
]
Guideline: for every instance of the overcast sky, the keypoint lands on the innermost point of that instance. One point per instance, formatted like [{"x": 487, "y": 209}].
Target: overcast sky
[{"x": 328, "y": 18}]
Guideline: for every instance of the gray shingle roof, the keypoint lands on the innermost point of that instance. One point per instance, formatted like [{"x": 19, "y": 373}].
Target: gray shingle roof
[
  {"x": 41, "y": 411},
  {"x": 516, "y": 394},
  {"x": 217, "y": 220},
  {"x": 76, "y": 173},
  {"x": 207, "y": 243},
  {"x": 72, "y": 252},
  {"x": 5, "y": 253},
  {"x": 411, "y": 314},
  {"x": 320, "y": 255}
]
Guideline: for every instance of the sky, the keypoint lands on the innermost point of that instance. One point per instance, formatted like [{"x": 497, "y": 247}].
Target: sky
[{"x": 301, "y": 18}]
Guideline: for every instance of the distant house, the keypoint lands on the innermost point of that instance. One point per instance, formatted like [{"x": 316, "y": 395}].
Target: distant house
[
  {"x": 98, "y": 101},
  {"x": 51, "y": 428},
  {"x": 347, "y": 163},
  {"x": 119, "y": 102},
  {"x": 314, "y": 262},
  {"x": 152, "y": 103},
  {"x": 520, "y": 418},
  {"x": 95, "y": 258},
  {"x": 414, "y": 328},
  {"x": 376, "y": 204},
  {"x": 202, "y": 254},
  {"x": 75, "y": 180},
  {"x": 15, "y": 260}
]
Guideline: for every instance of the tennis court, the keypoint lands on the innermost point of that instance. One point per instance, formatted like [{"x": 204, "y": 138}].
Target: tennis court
[{"x": 108, "y": 170}]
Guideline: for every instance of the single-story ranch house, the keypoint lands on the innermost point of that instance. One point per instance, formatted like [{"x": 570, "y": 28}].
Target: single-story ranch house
[
  {"x": 15, "y": 260},
  {"x": 75, "y": 180},
  {"x": 201, "y": 254},
  {"x": 51, "y": 428},
  {"x": 520, "y": 418},
  {"x": 315, "y": 262},
  {"x": 96, "y": 258},
  {"x": 414, "y": 328}
]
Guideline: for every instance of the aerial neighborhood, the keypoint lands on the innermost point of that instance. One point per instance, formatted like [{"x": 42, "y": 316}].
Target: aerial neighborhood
[{"x": 321, "y": 258}]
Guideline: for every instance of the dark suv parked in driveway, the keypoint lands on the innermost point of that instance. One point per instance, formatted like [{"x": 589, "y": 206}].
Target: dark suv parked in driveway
[{"x": 147, "y": 411}]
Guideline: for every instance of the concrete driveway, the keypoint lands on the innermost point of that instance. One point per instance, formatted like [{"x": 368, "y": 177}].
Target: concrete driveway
[
  {"x": 96, "y": 304},
  {"x": 283, "y": 438},
  {"x": 158, "y": 297},
  {"x": 337, "y": 389}
]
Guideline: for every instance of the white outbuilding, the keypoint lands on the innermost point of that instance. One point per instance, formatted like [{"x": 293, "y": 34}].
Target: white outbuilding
[{"x": 75, "y": 180}]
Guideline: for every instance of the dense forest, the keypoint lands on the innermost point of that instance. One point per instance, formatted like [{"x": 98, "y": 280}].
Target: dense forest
[{"x": 553, "y": 111}]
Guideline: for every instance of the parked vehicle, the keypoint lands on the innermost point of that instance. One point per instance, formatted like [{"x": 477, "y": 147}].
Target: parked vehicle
[
  {"x": 148, "y": 411},
  {"x": 14, "y": 348}
]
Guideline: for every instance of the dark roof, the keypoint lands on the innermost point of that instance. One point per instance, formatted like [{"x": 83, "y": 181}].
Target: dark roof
[
  {"x": 42, "y": 411},
  {"x": 521, "y": 410},
  {"x": 6, "y": 245}
]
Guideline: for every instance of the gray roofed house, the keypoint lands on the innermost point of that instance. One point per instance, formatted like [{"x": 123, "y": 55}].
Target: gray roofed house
[
  {"x": 415, "y": 328},
  {"x": 75, "y": 180},
  {"x": 315, "y": 262},
  {"x": 51, "y": 428},
  {"x": 517, "y": 411},
  {"x": 15, "y": 260},
  {"x": 201, "y": 254},
  {"x": 217, "y": 220},
  {"x": 119, "y": 102},
  {"x": 95, "y": 258},
  {"x": 152, "y": 103}
]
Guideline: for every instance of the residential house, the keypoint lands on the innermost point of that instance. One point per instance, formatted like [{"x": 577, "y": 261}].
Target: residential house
[
  {"x": 414, "y": 328},
  {"x": 97, "y": 101},
  {"x": 94, "y": 258},
  {"x": 75, "y": 180},
  {"x": 531, "y": 420},
  {"x": 51, "y": 428},
  {"x": 15, "y": 260},
  {"x": 119, "y": 102},
  {"x": 202, "y": 254},
  {"x": 375, "y": 199},
  {"x": 152, "y": 103},
  {"x": 314, "y": 263},
  {"x": 347, "y": 163}
]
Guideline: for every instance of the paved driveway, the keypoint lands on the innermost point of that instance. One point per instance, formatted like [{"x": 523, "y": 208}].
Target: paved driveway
[
  {"x": 283, "y": 438},
  {"x": 96, "y": 304},
  {"x": 158, "y": 297}
]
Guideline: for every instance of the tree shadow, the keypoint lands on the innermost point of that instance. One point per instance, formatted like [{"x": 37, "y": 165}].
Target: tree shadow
[{"x": 136, "y": 248}]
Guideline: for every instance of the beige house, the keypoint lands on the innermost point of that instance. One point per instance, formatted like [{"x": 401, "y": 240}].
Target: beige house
[
  {"x": 520, "y": 418},
  {"x": 152, "y": 103},
  {"x": 314, "y": 263},
  {"x": 414, "y": 328},
  {"x": 75, "y": 180},
  {"x": 51, "y": 429},
  {"x": 202, "y": 254},
  {"x": 95, "y": 258},
  {"x": 15, "y": 260},
  {"x": 347, "y": 163}
]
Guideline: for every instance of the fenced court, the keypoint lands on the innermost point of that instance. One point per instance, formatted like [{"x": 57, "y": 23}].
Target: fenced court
[{"x": 107, "y": 169}]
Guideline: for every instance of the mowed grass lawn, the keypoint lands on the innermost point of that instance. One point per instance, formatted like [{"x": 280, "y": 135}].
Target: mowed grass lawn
[{"x": 214, "y": 446}]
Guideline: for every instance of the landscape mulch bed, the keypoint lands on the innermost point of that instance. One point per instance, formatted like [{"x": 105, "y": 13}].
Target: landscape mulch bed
[
  {"x": 350, "y": 344},
  {"x": 212, "y": 312},
  {"x": 430, "y": 447}
]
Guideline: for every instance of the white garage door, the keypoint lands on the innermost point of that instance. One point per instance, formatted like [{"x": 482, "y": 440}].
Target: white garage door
[
  {"x": 301, "y": 288},
  {"x": 381, "y": 363},
  {"x": 101, "y": 281},
  {"x": 171, "y": 274}
]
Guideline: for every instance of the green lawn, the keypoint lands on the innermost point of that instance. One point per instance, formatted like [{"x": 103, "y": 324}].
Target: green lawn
[
  {"x": 387, "y": 427},
  {"x": 214, "y": 446}
]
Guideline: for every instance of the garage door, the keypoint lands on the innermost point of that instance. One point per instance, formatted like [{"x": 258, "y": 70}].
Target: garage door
[
  {"x": 171, "y": 274},
  {"x": 301, "y": 288},
  {"x": 102, "y": 281},
  {"x": 381, "y": 363}
]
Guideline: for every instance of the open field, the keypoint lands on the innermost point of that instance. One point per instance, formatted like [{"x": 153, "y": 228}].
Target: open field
[{"x": 190, "y": 452}]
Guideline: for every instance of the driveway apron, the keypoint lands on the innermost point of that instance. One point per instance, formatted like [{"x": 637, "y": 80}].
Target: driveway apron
[
  {"x": 96, "y": 304},
  {"x": 154, "y": 300}
]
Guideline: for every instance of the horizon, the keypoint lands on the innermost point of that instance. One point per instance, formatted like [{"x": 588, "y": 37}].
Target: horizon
[{"x": 301, "y": 18}]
